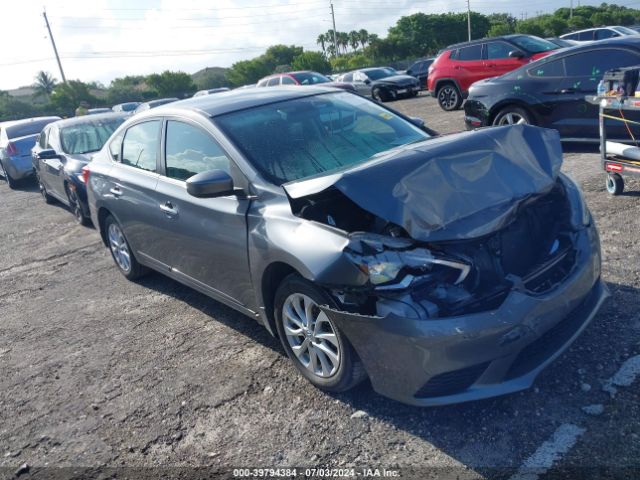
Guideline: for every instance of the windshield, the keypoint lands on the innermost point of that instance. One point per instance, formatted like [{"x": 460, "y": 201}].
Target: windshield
[
  {"x": 31, "y": 128},
  {"x": 310, "y": 78},
  {"x": 625, "y": 30},
  {"x": 379, "y": 73},
  {"x": 88, "y": 136},
  {"x": 533, "y": 44},
  {"x": 309, "y": 136}
]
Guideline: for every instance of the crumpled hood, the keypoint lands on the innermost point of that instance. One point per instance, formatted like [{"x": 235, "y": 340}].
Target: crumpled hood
[
  {"x": 458, "y": 186},
  {"x": 402, "y": 80}
]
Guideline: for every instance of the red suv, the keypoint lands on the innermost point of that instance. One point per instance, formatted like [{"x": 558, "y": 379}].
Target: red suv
[{"x": 460, "y": 65}]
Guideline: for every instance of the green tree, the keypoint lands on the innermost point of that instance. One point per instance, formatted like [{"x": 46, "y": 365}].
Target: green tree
[
  {"x": 354, "y": 40},
  {"x": 602, "y": 19},
  {"x": 498, "y": 29},
  {"x": 214, "y": 77},
  {"x": 364, "y": 37},
  {"x": 553, "y": 26},
  {"x": 131, "y": 88},
  {"x": 171, "y": 84},
  {"x": 45, "y": 83},
  {"x": 279, "y": 55},
  {"x": 578, "y": 23},
  {"x": 530, "y": 27},
  {"x": 66, "y": 97},
  {"x": 311, "y": 61},
  {"x": 321, "y": 40}
]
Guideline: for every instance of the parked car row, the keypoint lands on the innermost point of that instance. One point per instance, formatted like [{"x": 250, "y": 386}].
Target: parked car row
[{"x": 367, "y": 243}]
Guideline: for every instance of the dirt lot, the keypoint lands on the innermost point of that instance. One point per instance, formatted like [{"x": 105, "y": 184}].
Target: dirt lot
[{"x": 100, "y": 373}]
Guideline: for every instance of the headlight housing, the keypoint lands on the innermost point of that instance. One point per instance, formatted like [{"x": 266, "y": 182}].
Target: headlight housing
[{"x": 393, "y": 263}]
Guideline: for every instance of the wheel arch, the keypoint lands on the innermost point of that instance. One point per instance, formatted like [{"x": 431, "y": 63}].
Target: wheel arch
[
  {"x": 498, "y": 107},
  {"x": 271, "y": 279},
  {"x": 447, "y": 80},
  {"x": 103, "y": 213}
]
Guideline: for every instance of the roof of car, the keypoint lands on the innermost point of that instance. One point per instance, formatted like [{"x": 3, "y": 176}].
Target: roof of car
[
  {"x": 68, "y": 122},
  {"x": 22, "y": 121},
  {"x": 483, "y": 40},
  {"x": 240, "y": 99},
  {"x": 590, "y": 29}
]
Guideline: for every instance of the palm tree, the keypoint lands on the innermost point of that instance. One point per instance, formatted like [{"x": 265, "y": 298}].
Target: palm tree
[
  {"x": 321, "y": 41},
  {"x": 364, "y": 37},
  {"x": 354, "y": 39},
  {"x": 331, "y": 37},
  {"x": 343, "y": 40},
  {"x": 45, "y": 83}
]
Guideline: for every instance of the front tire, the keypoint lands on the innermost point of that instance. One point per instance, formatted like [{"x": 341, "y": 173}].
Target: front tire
[
  {"x": 320, "y": 352},
  {"x": 512, "y": 115},
  {"x": 76, "y": 208},
  {"x": 121, "y": 252},
  {"x": 48, "y": 199},
  {"x": 380, "y": 94},
  {"x": 449, "y": 97}
]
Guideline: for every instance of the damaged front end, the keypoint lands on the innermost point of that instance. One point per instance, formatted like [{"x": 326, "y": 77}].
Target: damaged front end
[{"x": 453, "y": 284}]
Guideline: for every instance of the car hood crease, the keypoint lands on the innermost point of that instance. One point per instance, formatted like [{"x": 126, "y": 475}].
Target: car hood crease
[{"x": 452, "y": 187}]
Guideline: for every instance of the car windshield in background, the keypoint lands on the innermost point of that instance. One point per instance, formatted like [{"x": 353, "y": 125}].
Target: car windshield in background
[
  {"x": 307, "y": 78},
  {"x": 87, "y": 136},
  {"x": 533, "y": 44},
  {"x": 624, "y": 30},
  {"x": 379, "y": 73},
  {"x": 310, "y": 136},
  {"x": 25, "y": 129}
]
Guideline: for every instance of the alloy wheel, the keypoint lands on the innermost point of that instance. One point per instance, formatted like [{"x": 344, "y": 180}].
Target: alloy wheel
[
  {"x": 512, "y": 118},
  {"x": 311, "y": 335},
  {"x": 119, "y": 247},
  {"x": 448, "y": 97}
]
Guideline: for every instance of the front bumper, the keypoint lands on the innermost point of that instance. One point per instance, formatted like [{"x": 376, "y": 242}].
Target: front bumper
[
  {"x": 476, "y": 114},
  {"x": 480, "y": 355}
]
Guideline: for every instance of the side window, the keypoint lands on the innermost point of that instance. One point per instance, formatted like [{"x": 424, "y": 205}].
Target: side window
[
  {"x": 42, "y": 139},
  {"x": 115, "y": 147},
  {"x": 595, "y": 62},
  {"x": 548, "y": 69},
  {"x": 573, "y": 36},
  {"x": 471, "y": 53},
  {"x": 51, "y": 134},
  {"x": 348, "y": 77},
  {"x": 584, "y": 36},
  {"x": 140, "y": 146},
  {"x": 190, "y": 150},
  {"x": 273, "y": 82},
  {"x": 497, "y": 50},
  {"x": 603, "y": 33},
  {"x": 262, "y": 83},
  {"x": 288, "y": 81},
  {"x": 453, "y": 55}
]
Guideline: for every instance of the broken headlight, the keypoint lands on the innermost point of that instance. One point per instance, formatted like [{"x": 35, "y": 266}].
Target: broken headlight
[
  {"x": 395, "y": 262},
  {"x": 580, "y": 215}
]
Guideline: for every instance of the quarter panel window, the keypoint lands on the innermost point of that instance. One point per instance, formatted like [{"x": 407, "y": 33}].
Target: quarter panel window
[
  {"x": 140, "y": 146},
  {"x": 554, "y": 68},
  {"x": 288, "y": 81},
  {"x": 191, "y": 150},
  {"x": 588, "y": 35},
  {"x": 595, "y": 62},
  {"x": 273, "y": 82}
]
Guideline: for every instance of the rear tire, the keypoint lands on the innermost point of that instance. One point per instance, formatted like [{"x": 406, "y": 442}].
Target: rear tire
[
  {"x": 380, "y": 94},
  {"x": 74, "y": 204},
  {"x": 449, "y": 97},
  {"x": 48, "y": 199},
  {"x": 121, "y": 252},
  {"x": 615, "y": 184},
  {"x": 312, "y": 333}
]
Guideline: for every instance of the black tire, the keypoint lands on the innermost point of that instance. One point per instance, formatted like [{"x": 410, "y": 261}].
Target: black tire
[
  {"x": 615, "y": 184},
  {"x": 48, "y": 199},
  {"x": 12, "y": 182},
  {"x": 380, "y": 94},
  {"x": 449, "y": 97},
  {"x": 76, "y": 208},
  {"x": 135, "y": 270},
  {"x": 350, "y": 371},
  {"x": 512, "y": 115}
]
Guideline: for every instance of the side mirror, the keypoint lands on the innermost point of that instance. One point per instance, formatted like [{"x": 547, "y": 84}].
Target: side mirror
[
  {"x": 367, "y": 81},
  {"x": 214, "y": 183},
  {"x": 417, "y": 121},
  {"x": 516, "y": 54},
  {"x": 48, "y": 154}
]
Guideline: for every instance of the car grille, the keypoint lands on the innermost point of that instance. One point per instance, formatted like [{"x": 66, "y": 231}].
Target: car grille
[
  {"x": 450, "y": 383},
  {"x": 551, "y": 341}
]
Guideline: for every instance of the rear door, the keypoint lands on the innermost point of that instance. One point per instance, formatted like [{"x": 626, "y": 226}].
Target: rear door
[
  {"x": 468, "y": 66},
  {"x": 203, "y": 239},
  {"x": 584, "y": 70},
  {"x": 52, "y": 169},
  {"x": 130, "y": 194},
  {"x": 498, "y": 61}
]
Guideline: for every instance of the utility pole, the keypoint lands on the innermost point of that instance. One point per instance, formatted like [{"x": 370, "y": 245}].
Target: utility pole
[
  {"x": 333, "y": 18},
  {"x": 55, "y": 50},
  {"x": 570, "y": 8},
  {"x": 469, "y": 19}
]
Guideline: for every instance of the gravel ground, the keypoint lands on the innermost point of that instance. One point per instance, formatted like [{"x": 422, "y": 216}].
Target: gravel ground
[{"x": 102, "y": 374}]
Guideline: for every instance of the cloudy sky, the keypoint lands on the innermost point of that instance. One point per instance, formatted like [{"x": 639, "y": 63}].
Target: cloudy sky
[{"x": 104, "y": 39}]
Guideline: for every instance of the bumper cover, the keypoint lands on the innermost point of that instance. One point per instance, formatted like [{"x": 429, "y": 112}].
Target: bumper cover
[
  {"x": 489, "y": 353},
  {"x": 18, "y": 167}
]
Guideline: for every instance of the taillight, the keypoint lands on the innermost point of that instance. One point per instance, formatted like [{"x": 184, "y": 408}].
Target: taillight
[
  {"x": 11, "y": 149},
  {"x": 85, "y": 174}
]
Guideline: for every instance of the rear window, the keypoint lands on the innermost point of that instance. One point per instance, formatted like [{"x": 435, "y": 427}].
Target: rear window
[
  {"x": 595, "y": 62},
  {"x": 310, "y": 78},
  {"x": 88, "y": 137},
  {"x": 25, "y": 129},
  {"x": 533, "y": 44}
]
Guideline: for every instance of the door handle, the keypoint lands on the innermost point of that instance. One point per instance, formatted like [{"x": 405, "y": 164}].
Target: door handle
[
  {"x": 568, "y": 90},
  {"x": 169, "y": 209},
  {"x": 115, "y": 191},
  {"x": 491, "y": 65}
]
